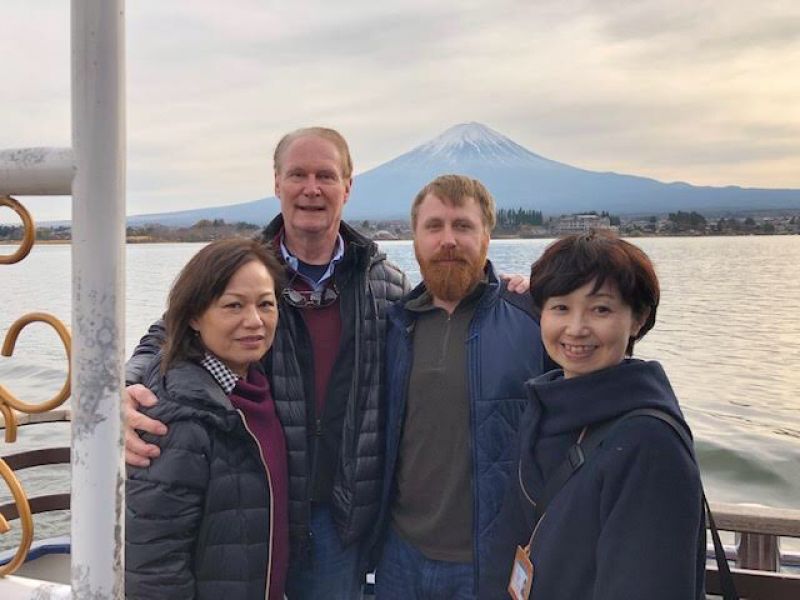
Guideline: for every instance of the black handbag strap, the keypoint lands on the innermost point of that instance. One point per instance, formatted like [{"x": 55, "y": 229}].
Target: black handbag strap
[{"x": 580, "y": 452}]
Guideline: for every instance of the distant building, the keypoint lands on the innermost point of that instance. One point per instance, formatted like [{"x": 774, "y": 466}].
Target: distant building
[{"x": 579, "y": 223}]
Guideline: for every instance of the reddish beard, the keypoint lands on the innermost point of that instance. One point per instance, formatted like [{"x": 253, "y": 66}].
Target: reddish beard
[{"x": 450, "y": 275}]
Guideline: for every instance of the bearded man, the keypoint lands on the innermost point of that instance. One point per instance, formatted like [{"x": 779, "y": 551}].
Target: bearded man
[{"x": 459, "y": 348}]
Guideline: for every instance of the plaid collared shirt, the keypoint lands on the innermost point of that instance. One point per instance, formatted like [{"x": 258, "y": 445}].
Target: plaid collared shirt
[{"x": 225, "y": 377}]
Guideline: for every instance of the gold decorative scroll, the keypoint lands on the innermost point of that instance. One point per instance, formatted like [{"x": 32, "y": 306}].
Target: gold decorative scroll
[
  {"x": 29, "y": 232},
  {"x": 7, "y": 400},
  {"x": 25, "y": 519}
]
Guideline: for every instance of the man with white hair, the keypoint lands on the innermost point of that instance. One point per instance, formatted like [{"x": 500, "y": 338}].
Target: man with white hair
[{"x": 325, "y": 366}]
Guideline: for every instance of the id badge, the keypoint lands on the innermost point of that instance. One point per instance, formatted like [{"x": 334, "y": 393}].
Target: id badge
[{"x": 519, "y": 586}]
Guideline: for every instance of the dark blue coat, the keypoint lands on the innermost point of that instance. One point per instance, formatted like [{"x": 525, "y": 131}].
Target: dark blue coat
[
  {"x": 503, "y": 350},
  {"x": 629, "y": 524}
]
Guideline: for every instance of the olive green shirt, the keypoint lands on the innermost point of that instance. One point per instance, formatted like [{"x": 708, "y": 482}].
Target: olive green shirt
[{"x": 433, "y": 508}]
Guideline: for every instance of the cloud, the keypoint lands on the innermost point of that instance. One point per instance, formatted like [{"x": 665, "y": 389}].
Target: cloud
[{"x": 679, "y": 90}]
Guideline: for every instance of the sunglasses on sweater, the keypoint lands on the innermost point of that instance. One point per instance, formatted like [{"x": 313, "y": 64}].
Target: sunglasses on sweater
[{"x": 310, "y": 298}]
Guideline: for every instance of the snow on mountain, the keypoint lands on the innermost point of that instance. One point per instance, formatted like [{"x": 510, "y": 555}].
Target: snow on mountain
[{"x": 467, "y": 143}]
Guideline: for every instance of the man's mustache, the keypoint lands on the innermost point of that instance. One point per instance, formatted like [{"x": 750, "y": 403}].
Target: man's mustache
[{"x": 448, "y": 255}]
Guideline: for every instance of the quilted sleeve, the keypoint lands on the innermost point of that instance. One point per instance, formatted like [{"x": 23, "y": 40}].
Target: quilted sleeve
[
  {"x": 164, "y": 508},
  {"x": 143, "y": 354}
]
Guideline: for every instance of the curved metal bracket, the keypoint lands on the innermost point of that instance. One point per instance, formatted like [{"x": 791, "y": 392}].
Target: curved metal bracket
[
  {"x": 7, "y": 399},
  {"x": 25, "y": 519},
  {"x": 9, "y": 419},
  {"x": 29, "y": 231}
]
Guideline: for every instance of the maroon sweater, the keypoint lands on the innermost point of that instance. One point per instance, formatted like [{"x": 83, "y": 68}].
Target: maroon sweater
[
  {"x": 325, "y": 330},
  {"x": 254, "y": 398}
]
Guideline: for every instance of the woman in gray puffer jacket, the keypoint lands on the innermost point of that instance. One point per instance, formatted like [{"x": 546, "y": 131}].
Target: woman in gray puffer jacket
[{"x": 208, "y": 517}]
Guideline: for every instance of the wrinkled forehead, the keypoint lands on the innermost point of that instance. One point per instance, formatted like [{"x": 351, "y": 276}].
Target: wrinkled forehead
[{"x": 309, "y": 150}]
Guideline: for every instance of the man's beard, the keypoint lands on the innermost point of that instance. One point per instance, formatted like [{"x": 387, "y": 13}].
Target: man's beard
[{"x": 452, "y": 281}]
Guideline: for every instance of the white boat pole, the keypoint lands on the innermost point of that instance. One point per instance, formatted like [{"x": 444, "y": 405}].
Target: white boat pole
[{"x": 98, "y": 301}]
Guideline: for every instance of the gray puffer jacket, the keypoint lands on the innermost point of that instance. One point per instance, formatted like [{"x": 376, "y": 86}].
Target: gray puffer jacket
[
  {"x": 351, "y": 446},
  {"x": 198, "y": 519}
]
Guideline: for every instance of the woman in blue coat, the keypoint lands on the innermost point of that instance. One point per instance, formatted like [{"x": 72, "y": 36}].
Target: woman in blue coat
[{"x": 629, "y": 523}]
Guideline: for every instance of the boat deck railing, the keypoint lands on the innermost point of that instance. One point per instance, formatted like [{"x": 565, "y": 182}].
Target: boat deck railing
[
  {"x": 39, "y": 457},
  {"x": 92, "y": 172},
  {"x": 761, "y": 570}
]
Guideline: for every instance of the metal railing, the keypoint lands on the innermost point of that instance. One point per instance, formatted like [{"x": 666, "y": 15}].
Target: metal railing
[
  {"x": 93, "y": 172},
  {"x": 9, "y": 405}
]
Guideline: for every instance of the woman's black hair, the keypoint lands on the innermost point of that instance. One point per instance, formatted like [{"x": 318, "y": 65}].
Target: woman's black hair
[
  {"x": 599, "y": 256},
  {"x": 204, "y": 279}
]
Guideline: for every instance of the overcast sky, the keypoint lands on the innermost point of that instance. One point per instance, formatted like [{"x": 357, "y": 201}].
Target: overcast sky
[{"x": 701, "y": 91}]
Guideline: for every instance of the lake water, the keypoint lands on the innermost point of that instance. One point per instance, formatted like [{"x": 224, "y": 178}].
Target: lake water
[{"x": 728, "y": 334}]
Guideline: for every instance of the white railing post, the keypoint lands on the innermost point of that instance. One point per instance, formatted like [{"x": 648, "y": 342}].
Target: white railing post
[
  {"x": 98, "y": 301},
  {"x": 37, "y": 171}
]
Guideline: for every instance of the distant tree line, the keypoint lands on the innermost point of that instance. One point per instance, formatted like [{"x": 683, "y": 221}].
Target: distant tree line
[
  {"x": 10, "y": 232},
  {"x": 514, "y": 218},
  {"x": 683, "y": 222},
  {"x": 15, "y": 232},
  {"x": 204, "y": 230},
  {"x": 686, "y": 221},
  {"x": 747, "y": 225}
]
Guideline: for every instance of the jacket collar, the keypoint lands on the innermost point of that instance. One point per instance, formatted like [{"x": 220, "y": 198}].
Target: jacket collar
[
  {"x": 569, "y": 404},
  {"x": 352, "y": 239}
]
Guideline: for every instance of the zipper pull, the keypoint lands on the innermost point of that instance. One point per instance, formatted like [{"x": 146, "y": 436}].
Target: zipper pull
[{"x": 318, "y": 429}]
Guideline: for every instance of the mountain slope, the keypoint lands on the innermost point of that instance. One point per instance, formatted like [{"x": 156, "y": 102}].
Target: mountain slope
[{"x": 516, "y": 177}]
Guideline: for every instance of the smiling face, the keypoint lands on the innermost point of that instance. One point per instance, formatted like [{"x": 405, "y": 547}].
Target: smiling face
[
  {"x": 312, "y": 188},
  {"x": 239, "y": 326},
  {"x": 451, "y": 243},
  {"x": 585, "y": 331}
]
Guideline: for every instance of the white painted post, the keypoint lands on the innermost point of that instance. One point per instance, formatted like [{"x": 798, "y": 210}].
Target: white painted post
[{"x": 98, "y": 285}]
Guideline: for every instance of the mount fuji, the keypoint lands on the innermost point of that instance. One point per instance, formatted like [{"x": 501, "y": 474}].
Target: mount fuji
[{"x": 515, "y": 176}]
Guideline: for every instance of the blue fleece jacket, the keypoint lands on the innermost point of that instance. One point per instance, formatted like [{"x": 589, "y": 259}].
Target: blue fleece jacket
[
  {"x": 629, "y": 524},
  {"x": 503, "y": 350}
]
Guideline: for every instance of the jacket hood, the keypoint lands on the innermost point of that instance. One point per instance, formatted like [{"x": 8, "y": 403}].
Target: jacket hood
[{"x": 568, "y": 404}]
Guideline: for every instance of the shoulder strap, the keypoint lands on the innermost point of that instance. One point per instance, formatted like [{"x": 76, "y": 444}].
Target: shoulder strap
[
  {"x": 726, "y": 580},
  {"x": 580, "y": 452},
  {"x": 577, "y": 455}
]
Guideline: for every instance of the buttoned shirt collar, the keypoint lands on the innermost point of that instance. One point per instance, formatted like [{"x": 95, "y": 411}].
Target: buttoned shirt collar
[{"x": 294, "y": 262}]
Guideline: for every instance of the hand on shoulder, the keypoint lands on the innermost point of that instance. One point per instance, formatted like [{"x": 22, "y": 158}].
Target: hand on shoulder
[{"x": 137, "y": 452}]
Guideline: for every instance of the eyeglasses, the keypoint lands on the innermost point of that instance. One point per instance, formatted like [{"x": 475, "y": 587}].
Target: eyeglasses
[{"x": 310, "y": 298}]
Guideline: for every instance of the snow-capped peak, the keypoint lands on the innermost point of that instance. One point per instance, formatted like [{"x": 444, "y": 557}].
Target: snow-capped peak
[
  {"x": 473, "y": 141},
  {"x": 475, "y": 134}
]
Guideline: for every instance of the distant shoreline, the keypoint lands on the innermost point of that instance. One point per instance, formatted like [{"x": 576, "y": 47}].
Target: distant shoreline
[{"x": 548, "y": 236}]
